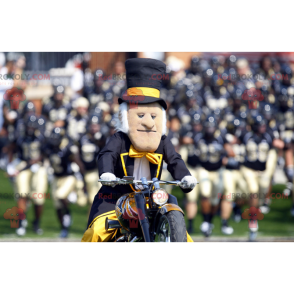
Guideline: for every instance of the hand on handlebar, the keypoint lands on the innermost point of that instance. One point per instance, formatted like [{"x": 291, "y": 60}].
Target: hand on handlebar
[
  {"x": 109, "y": 177},
  {"x": 188, "y": 182}
]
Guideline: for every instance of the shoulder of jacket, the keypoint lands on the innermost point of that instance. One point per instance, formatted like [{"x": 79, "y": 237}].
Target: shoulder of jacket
[
  {"x": 120, "y": 135},
  {"x": 163, "y": 139}
]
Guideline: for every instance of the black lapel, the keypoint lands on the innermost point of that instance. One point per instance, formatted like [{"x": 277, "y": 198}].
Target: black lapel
[
  {"x": 128, "y": 166},
  {"x": 153, "y": 170},
  {"x": 129, "y": 161}
]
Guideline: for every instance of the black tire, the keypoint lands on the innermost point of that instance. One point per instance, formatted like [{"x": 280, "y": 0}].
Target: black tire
[{"x": 174, "y": 220}]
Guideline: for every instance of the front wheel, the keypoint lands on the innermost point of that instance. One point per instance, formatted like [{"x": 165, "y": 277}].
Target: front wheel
[{"x": 171, "y": 228}]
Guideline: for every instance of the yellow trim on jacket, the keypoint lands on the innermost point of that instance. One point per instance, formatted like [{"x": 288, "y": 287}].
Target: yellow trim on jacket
[{"x": 125, "y": 170}]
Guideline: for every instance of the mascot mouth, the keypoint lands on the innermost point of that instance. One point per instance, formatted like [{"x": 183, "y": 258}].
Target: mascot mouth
[{"x": 147, "y": 131}]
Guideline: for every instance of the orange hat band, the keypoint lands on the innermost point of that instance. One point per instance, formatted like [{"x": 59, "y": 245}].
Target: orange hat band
[{"x": 143, "y": 91}]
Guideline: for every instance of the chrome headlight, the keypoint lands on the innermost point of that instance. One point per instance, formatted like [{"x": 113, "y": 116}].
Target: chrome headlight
[{"x": 160, "y": 197}]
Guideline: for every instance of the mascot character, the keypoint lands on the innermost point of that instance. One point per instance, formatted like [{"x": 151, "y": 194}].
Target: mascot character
[{"x": 139, "y": 146}]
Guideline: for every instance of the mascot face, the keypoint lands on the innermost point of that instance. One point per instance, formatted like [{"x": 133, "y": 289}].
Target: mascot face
[{"x": 145, "y": 126}]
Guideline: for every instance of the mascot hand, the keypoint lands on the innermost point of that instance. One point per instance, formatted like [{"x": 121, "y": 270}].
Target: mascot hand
[
  {"x": 108, "y": 177},
  {"x": 188, "y": 182}
]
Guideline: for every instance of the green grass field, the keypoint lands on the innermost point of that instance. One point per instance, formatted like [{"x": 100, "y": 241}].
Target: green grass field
[
  {"x": 49, "y": 221},
  {"x": 278, "y": 223}
]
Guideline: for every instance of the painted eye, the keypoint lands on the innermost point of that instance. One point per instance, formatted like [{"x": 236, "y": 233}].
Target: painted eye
[
  {"x": 153, "y": 116},
  {"x": 17, "y": 214},
  {"x": 141, "y": 115}
]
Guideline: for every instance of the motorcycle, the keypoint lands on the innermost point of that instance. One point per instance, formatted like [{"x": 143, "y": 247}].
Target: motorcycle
[{"x": 149, "y": 215}]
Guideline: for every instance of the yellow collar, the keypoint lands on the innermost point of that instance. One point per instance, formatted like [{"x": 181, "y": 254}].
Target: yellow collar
[{"x": 139, "y": 154}]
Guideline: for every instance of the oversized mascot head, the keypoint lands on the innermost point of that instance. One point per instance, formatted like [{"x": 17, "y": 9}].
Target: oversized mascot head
[{"x": 141, "y": 112}]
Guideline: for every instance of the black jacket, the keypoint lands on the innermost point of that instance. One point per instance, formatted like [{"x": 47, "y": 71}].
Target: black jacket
[{"x": 114, "y": 158}]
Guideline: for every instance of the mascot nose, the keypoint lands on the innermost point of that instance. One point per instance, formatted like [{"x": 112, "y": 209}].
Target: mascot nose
[{"x": 148, "y": 122}]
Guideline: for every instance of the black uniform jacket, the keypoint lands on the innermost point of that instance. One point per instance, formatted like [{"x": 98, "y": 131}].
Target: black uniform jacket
[{"x": 114, "y": 158}]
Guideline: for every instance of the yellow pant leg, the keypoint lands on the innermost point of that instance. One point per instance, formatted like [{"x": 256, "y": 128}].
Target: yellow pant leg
[
  {"x": 264, "y": 180},
  {"x": 217, "y": 185},
  {"x": 205, "y": 183},
  {"x": 234, "y": 184},
  {"x": 23, "y": 182},
  {"x": 251, "y": 177},
  {"x": 39, "y": 186},
  {"x": 93, "y": 186},
  {"x": 65, "y": 185},
  {"x": 271, "y": 162},
  {"x": 193, "y": 195},
  {"x": 229, "y": 184},
  {"x": 61, "y": 187},
  {"x": 241, "y": 183},
  {"x": 210, "y": 184},
  {"x": 82, "y": 198},
  {"x": 96, "y": 231}
]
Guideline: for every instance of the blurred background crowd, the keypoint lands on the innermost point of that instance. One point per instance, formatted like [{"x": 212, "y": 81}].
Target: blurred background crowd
[{"x": 67, "y": 103}]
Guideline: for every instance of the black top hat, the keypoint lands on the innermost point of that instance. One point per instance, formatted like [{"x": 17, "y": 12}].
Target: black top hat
[{"x": 144, "y": 78}]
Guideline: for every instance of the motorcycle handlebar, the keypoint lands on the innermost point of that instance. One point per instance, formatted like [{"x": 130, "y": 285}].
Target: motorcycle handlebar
[{"x": 139, "y": 182}]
